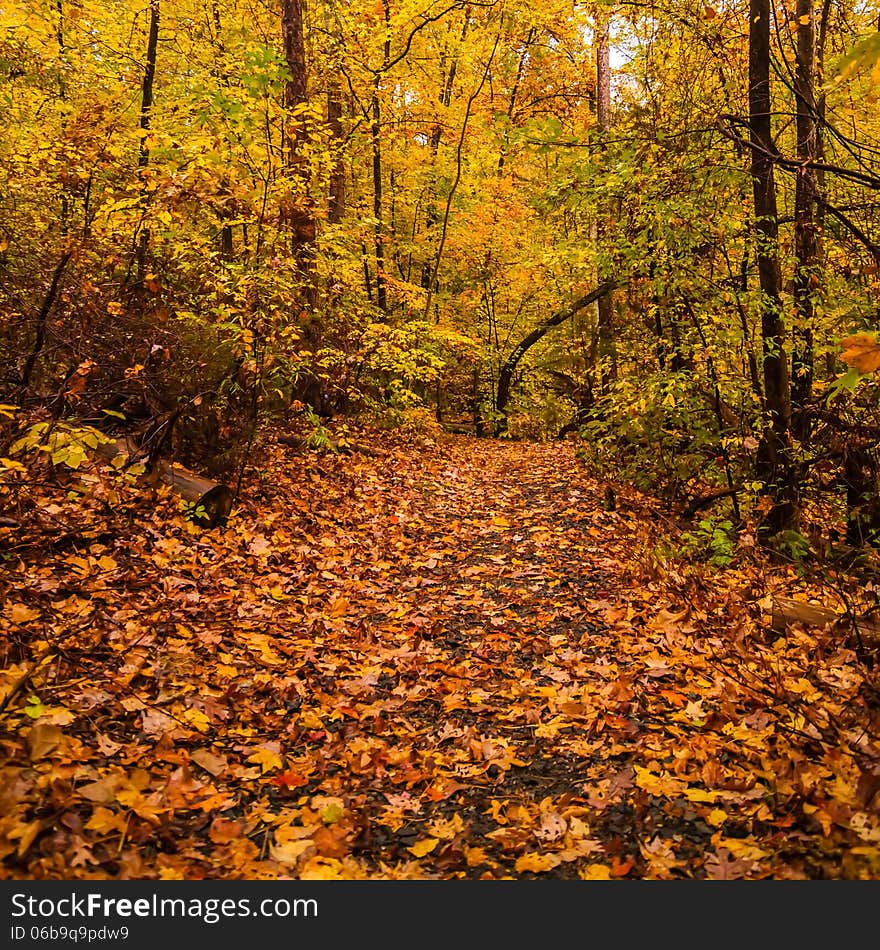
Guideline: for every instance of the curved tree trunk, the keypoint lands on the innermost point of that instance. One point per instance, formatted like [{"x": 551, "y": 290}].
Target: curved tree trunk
[{"x": 505, "y": 377}]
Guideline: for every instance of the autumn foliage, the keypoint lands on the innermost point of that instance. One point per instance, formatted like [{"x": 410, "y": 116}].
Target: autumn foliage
[{"x": 439, "y": 440}]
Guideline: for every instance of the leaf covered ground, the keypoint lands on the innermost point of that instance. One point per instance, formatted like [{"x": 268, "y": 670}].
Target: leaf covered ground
[{"x": 448, "y": 661}]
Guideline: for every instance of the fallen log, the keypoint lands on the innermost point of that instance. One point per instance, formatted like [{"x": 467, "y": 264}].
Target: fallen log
[
  {"x": 209, "y": 502},
  {"x": 786, "y": 612}
]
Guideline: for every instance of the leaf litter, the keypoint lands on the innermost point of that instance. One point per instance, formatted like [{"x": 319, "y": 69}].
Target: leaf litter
[{"x": 449, "y": 661}]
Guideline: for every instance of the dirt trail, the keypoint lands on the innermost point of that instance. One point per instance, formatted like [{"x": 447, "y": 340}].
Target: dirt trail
[{"x": 451, "y": 661}]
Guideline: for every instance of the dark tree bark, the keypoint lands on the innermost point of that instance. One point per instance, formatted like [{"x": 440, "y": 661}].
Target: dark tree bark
[
  {"x": 607, "y": 349},
  {"x": 300, "y": 210},
  {"x": 806, "y": 236},
  {"x": 42, "y": 318},
  {"x": 375, "y": 134},
  {"x": 505, "y": 377},
  {"x": 445, "y": 99},
  {"x": 336, "y": 204},
  {"x": 376, "y": 140},
  {"x": 514, "y": 92},
  {"x": 147, "y": 98},
  {"x": 774, "y": 464}
]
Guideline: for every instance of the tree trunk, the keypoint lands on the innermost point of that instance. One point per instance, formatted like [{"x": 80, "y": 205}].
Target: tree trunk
[
  {"x": 300, "y": 212},
  {"x": 375, "y": 129},
  {"x": 806, "y": 238},
  {"x": 375, "y": 135},
  {"x": 336, "y": 207},
  {"x": 147, "y": 97},
  {"x": 444, "y": 99},
  {"x": 300, "y": 208},
  {"x": 774, "y": 464},
  {"x": 607, "y": 348}
]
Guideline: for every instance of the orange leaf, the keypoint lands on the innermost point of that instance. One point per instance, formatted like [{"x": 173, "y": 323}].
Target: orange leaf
[
  {"x": 862, "y": 352},
  {"x": 290, "y": 779},
  {"x": 339, "y": 608}
]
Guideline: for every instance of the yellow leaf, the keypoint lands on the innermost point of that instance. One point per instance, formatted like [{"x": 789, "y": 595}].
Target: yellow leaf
[
  {"x": 423, "y": 847},
  {"x": 475, "y": 856},
  {"x": 745, "y": 850},
  {"x": 104, "y": 821},
  {"x": 319, "y": 868},
  {"x": 658, "y": 784},
  {"x": 25, "y": 834},
  {"x": 446, "y": 829},
  {"x": 198, "y": 719},
  {"x": 595, "y": 872},
  {"x": 700, "y": 795},
  {"x": 537, "y": 862},
  {"x": 266, "y": 759},
  {"x": 716, "y": 817}
]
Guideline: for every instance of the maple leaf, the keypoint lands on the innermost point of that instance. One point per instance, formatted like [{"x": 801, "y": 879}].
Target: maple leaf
[
  {"x": 290, "y": 779},
  {"x": 105, "y": 821},
  {"x": 446, "y": 828},
  {"x": 267, "y": 759},
  {"x": 721, "y": 866}
]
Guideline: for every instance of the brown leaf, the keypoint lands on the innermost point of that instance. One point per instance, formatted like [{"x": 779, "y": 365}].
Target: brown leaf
[
  {"x": 214, "y": 764},
  {"x": 102, "y": 792},
  {"x": 43, "y": 739}
]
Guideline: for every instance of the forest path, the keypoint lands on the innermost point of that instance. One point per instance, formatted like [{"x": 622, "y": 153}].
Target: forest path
[{"x": 448, "y": 661}]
